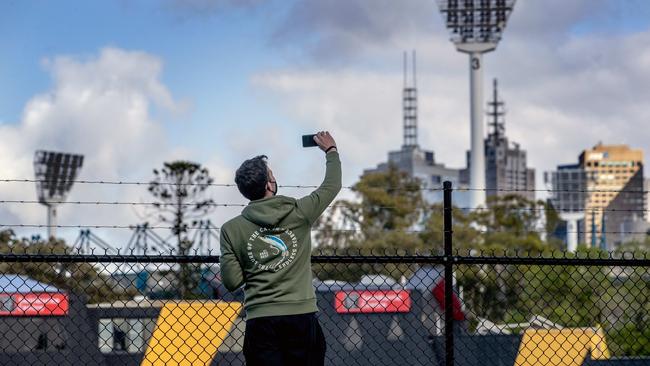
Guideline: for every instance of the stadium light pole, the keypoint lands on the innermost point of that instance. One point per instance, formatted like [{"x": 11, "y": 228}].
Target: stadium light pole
[
  {"x": 476, "y": 27},
  {"x": 55, "y": 174}
]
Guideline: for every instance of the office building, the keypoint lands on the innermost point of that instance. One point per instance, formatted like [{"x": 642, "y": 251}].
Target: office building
[
  {"x": 605, "y": 191},
  {"x": 506, "y": 169},
  {"x": 506, "y": 166}
]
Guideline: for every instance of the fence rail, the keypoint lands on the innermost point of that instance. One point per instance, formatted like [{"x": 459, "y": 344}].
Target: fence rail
[{"x": 350, "y": 258}]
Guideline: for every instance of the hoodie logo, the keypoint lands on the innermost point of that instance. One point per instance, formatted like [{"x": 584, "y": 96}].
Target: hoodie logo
[
  {"x": 275, "y": 242},
  {"x": 272, "y": 249}
]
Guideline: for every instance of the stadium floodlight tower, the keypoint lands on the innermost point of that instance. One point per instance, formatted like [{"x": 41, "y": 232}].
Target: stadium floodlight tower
[
  {"x": 476, "y": 27},
  {"x": 55, "y": 174}
]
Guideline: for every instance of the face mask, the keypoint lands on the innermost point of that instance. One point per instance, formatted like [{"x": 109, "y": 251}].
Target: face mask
[{"x": 275, "y": 192}]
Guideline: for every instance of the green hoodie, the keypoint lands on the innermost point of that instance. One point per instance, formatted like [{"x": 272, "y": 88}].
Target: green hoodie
[{"x": 268, "y": 249}]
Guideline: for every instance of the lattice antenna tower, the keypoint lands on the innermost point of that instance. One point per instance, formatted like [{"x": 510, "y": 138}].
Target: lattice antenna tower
[
  {"x": 55, "y": 174},
  {"x": 87, "y": 241},
  {"x": 410, "y": 104},
  {"x": 496, "y": 115},
  {"x": 145, "y": 241},
  {"x": 205, "y": 237}
]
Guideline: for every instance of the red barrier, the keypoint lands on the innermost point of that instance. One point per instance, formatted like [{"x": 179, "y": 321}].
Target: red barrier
[
  {"x": 379, "y": 301},
  {"x": 34, "y": 304}
]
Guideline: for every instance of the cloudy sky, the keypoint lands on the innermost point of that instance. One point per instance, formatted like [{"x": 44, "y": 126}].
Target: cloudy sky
[{"x": 131, "y": 84}]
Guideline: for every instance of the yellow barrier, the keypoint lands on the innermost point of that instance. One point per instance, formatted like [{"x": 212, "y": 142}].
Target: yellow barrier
[
  {"x": 561, "y": 347},
  {"x": 190, "y": 332}
]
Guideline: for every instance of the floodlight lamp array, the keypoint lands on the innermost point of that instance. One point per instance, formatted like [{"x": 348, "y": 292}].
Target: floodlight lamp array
[
  {"x": 55, "y": 173},
  {"x": 476, "y": 22}
]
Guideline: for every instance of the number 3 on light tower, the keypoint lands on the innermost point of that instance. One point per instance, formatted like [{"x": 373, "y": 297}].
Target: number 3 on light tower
[{"x": 476, "y": 63}]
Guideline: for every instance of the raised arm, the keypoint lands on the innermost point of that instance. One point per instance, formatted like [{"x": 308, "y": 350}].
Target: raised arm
[{"x": 313, "y": 205}]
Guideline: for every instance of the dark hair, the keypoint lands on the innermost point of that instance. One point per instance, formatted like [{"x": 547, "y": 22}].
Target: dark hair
[{"x": 252, "y": 176}]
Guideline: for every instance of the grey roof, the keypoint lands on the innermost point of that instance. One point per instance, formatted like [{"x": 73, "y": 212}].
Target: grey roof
[
  {"x": 425, "y": 278},
  {"x": 12, "y": 283},
  {"x": 329, "y": 286}
]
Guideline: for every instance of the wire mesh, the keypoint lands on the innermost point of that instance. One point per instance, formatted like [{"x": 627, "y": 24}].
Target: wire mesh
[
  {"x": 494, "y": 297},
  {"x": 375, "y": 308}
]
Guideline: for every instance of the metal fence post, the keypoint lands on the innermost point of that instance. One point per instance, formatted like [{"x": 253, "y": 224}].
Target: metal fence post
[{"x": 449, "y": 274}]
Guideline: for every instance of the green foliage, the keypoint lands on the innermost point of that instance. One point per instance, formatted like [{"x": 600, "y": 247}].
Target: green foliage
[
  {"x": 630, "y": 340},
  {"x": 511, "y": 223},
  {"x": 466, "y": 234},
  {"x": 382, "y": 222},
  {"x": 616, "y": 298},
  {"x": 180, "y": 188},
  {"x": 511, "y": 213},
  {"x": 628, "y": 297},
  {"x": 566, "y": 295},
  {"x": 637, "y": 246},
  {"x": 389, "y": 205},
  {"x": 79, "y": 278},
  {"x": 389, "y": 201}
]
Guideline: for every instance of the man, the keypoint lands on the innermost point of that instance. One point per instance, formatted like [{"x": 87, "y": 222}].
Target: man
[{"x": 268, "y": 250}]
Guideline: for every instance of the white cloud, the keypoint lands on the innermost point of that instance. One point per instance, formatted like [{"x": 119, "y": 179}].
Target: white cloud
[
  {"x": 563, "y": 92},
  {"x": 363, "y": 111},
  {"x": 102, "y": 106},
  {"x": 331, "y": 31},
  {"x": 336, "y": 31},
  {"x": 325, "y": 102}
]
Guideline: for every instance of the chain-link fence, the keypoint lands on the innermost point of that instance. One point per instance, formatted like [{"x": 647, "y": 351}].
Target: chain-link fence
[
  {"x": 441, "y": 306},
  {"x": 129, "y": 310}
]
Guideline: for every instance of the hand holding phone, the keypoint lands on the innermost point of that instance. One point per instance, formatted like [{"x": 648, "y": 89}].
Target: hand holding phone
[{"x": 323, "y": 140}]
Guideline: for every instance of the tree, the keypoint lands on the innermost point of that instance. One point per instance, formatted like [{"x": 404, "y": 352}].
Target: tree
[
  {"x": 641, "y": 246},
  {"x": 466, "y": 233},
  {"x": 181, "y": 190},
  {"x": 510, "y": 225},
  {"x": 80, "y": 278},
  {"x": 380, "y": 222},
  {"x": 389, "y": 205}
]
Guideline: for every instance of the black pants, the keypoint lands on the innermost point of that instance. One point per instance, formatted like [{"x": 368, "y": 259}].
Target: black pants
[{"x": 284, "y": 340}]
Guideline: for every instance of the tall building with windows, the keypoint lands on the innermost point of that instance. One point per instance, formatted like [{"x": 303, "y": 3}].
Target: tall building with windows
[
  {"x": 414, "y": 160},
  {"x": 607, "y": 188},
  {"x": 614, "y": 191},
  {"x": 506, "y": 168}
]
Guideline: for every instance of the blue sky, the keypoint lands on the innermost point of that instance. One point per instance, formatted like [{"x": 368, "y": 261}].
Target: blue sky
[
  {"x": 134, "y": 83},
  {"x": 209, "y": 51},
  {"x": 207, "y": 58}
]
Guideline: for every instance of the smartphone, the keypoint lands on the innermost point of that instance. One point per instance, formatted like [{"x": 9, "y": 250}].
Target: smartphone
[{"x": 308, "y": 141}]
